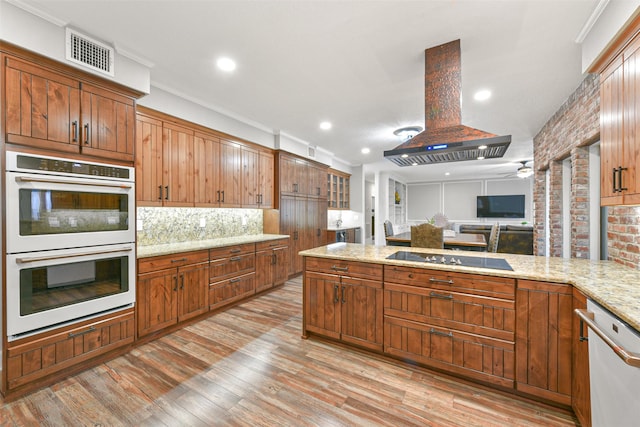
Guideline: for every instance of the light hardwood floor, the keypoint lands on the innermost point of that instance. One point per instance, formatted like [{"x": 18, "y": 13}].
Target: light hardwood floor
[{"x": 248, "y": 366}]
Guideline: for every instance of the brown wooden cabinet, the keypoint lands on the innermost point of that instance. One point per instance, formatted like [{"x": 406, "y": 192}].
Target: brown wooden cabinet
[
  {"x": 580, "y": 385},
  {"x": 232, "y": 274},
  {"x": 56, "y": 109},
  {"x": 272, "y": 264},
  {"x": 63, "y": 350},
  {"x": 544, "y": 340},
  {"x": 257, "y": 178},
  {"x": 462, "y": 323},
  {"x": 171, "y": 289},
  {"x": 338, "y": 190},
  {"x": 620, "y": 128},
  {"x": 343, "y": 300}
]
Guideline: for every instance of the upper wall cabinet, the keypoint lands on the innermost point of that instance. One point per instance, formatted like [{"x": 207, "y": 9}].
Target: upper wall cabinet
[
  {"x": 620, "y": 126},
  {"x": 52, "y": 109},
  {"x": 337, "y": 189},
  {"x": 181, "y": 164},
  {"x": 299, "y": 177}
]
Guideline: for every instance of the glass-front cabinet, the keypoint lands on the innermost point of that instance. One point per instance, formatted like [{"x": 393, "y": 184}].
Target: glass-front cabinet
[{"x": 338, "y": 189}]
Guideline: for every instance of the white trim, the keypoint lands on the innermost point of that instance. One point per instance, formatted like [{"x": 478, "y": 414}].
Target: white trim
[
  {"x": 132, "y": 56},
  {"x": 38, "y": 12},
  {"x": 593, "y": 18}
]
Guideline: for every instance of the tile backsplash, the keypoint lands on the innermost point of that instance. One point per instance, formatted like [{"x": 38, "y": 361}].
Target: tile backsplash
[{"x": 174, "y": 225}]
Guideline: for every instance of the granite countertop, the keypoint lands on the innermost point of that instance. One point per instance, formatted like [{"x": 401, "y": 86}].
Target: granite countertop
[
  {"x": 612, "y": 285},
  {"x": 196, "y": 245},
  {"x": 342, "y": 227}
]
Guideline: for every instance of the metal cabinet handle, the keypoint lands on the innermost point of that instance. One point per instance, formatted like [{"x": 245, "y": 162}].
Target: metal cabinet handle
[
  {"x": 166, "y": 190},
  {"x": 336, "y": 268},
  {"x": 222, "y": 192},
  {"x": 441, "y": 296},
  {"x": 236, "y": 280},
  {"x": 218, "y": 199},
  {"x": 235, "y": 258},
  {"x": 434, "y": 280},
  {"x": 77, "y": 334},
  {"x": 614, "y": 176},
  {"x": 235, "y": 251},
  {"x": 175, "y": 283},
  {"x": 335, "y": 294},
  {"x": 630, "y": 358},
  {"x": 273, "y": 259},
  {"x": 441, "y": 334},
  {"x": 620, "y": 187},
  {"x": 179, "y": 260},
  {"x": 52, "y": 257},
  {"x": 182, "y": 281},
  {"x": 86, "y": 134},
  {"x": 159, "y": 192},
  {"x": 344, "y": 301},
  {"x": 74, "y": 126}
]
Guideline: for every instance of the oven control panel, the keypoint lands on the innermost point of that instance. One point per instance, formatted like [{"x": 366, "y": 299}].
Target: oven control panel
[{"x": 45, "y": 164}]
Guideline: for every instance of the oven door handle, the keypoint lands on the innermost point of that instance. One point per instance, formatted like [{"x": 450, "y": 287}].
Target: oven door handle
[
  {"x": 52, "y": 257},
  {"x": 53, "y": 181}
]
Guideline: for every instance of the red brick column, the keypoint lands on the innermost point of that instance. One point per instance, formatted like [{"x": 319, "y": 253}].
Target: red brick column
[{"x": 580, "y": 202}]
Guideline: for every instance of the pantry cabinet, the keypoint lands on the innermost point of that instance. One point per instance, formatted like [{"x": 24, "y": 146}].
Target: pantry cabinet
[
  {"x": 57, "y": 108},
  {"x": 343, "y": 300},
  {"x": 620, "y": 127},
  {"x": 543, "y": 340},
  {"x": 171, "y": 289}
]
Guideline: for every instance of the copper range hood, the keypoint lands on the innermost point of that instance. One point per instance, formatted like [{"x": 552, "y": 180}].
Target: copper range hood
[{"x": 445, "y": 138}]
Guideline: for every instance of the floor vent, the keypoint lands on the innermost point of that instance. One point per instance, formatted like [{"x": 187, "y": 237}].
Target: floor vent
[{"x": 90, "y": 53}]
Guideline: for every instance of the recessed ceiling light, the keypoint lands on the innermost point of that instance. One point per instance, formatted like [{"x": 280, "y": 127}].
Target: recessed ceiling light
[
  {"x": 482, "y": 95},
  {"x": 404, "y": 156},
  {"x": 482, "y": 147},
  {"x": 365, "y": 150},
  {"x": 325, "y": 125},
  {"x": 414, "y": 164},
  {"x": 480, "y": 157},
  {"x": 447, "y": 173},
  {"x": 226, "y": 64}
]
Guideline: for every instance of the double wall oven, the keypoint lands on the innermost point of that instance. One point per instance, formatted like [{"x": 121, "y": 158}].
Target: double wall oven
[{"x": 70, "y": 241}]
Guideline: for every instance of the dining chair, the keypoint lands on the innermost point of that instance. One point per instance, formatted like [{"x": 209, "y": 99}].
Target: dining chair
[
  {"x": 494, "y": 238},
  {"x": 388, "y": 229},
  {"x": 427, "y": 236}
]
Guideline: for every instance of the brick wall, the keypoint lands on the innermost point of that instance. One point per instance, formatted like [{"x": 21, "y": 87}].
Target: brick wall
[{"x": 567, "y": 134}]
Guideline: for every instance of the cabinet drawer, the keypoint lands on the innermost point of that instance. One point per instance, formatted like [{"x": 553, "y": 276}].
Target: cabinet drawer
[
  {"x": 261, "y": 246},
  {"x": 471, "y": 355},
  {"x": 229, "y": 251},
  {"x": 35, "y": 357},
  {"x": 466, "y": 312},
  {"x": 489, "y": 286},
  {"x": 231, "y": 266},
  {"x": 146, "y": 265},
  {"x": 344, "y": 268},
  {"x": 230, "y": 290}
]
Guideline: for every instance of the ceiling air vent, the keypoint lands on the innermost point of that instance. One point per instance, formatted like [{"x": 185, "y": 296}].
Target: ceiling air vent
[
  {"x": 88, "y": 52},
  {"x": 311, "y": 151}
]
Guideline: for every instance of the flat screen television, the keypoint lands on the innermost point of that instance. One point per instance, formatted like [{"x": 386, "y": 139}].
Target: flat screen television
[{"x": 509, "y": 206}]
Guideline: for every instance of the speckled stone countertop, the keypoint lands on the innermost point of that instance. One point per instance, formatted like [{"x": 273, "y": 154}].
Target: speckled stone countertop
[
  {"x": 342, "y": 227},
  {"x": 196, "y": 245},
  {"x": 614, "y": 286}
]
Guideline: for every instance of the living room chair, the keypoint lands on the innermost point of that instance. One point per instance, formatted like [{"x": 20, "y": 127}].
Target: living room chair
[
  {"x": 427, "y": 236},
  {"x": 494, "y": 238}
]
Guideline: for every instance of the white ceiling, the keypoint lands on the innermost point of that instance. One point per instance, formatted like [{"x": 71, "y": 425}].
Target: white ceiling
[{"x": 358, "y": 64}]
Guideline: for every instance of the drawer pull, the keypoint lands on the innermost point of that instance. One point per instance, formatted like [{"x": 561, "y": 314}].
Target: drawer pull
[
  {"x": 235, "y": 251},
  {"x": 336, "y": 268},
  {"x": 236, "y": 258},
  {"x": 179, "y": 260},
  {"x": 441, "y": 334},
  {"x": 441, "y": 296},
  {"x": 234, "y": 280},
  {"x": 77, "y": 334},
  {"x": 434, "y": 280}
]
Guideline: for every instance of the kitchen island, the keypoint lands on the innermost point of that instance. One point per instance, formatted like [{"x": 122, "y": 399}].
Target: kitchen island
[{"x": 503, "y": 320}]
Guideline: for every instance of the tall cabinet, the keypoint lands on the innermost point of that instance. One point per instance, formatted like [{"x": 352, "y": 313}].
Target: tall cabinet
[{"x": 302, "y": 193}]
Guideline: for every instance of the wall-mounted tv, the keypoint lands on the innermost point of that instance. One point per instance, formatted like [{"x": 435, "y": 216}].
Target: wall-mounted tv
[{"x": 509, "y": 206}]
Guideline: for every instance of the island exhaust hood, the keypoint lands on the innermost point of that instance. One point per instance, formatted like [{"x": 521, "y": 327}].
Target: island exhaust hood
[{"x": 445, "y": 139}]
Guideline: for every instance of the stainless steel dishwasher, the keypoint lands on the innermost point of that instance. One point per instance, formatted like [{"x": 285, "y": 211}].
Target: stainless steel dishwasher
[{"x": 614, "y": 368}]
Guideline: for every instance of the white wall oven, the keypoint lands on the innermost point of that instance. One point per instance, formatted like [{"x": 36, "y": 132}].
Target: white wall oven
[{"x": 70, "y": 240}]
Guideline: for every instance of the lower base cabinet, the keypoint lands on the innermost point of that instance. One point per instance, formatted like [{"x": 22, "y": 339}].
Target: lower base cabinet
[
  {"x": 580, "y": 385},
  {"x": 272, "y": 263},
  {"x": 49, "y": 353},
  {"x": 231, "y": 290}
]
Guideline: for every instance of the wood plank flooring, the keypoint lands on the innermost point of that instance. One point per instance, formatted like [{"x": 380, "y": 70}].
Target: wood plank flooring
[{"x": 248, "y": 366}]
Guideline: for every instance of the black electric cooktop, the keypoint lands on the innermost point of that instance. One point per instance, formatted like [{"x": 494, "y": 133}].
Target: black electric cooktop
[{"x": 467, "y": 261}]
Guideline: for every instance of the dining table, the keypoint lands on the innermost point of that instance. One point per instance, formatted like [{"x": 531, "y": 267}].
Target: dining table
[{"x": 460, "y": 241}]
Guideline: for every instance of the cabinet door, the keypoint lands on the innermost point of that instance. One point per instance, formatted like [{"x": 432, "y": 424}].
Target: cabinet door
[
  {"x": 316, "y": 223},
  {"x": 287, "y": 172},
  {"x": 580, "y": 386},
  {"x": 362, "y": 306},
  {"x": 631, "y": 123},
  {"x": 177, "y": 166},
  {"x": 230, "y": 174},
  {"x": 611, "y": 134},
  {"x": 108, "y": 123},
  {"x": 322, "y": 304},
  {"x": 288, "y": 226},
  {"x": 265, "y": 179},
  {"x": 301, "y": 233},
  {"x": 280, "y": 271},
  {"x": 148, "y": 161},
  {"x": 250, "y": 165},
  {"x": 193, "y": 290},
  {"x": 42, "y": 107},
  {"x": 543, "y": 340},
  {"x": 157, "y": 301},
  {"x": 206, "y": 170},
  {"x": 265, "y": 264}
]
